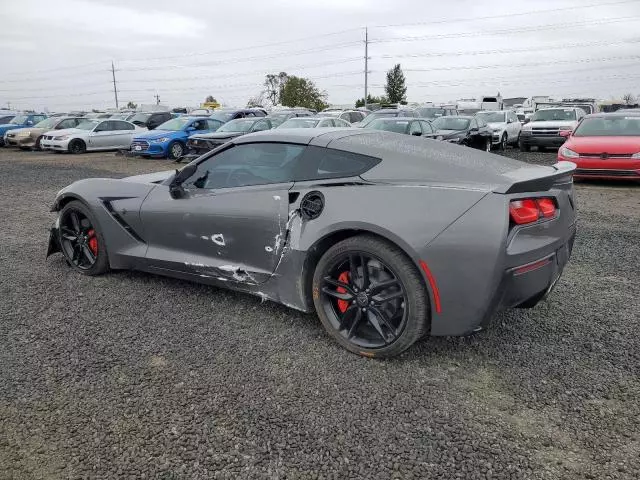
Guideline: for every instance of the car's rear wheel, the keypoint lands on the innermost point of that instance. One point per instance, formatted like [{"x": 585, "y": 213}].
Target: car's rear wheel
[
  {"x": 503, "y": 142},
  {"x": 176, "y": 150},
  {"x": 370, "y": 297},
  {"x": 81, "y": 240},
  {"x": 77, "y": 146}
]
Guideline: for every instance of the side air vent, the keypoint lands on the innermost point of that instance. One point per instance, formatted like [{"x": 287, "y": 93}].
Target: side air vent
[{"x": 312, "y": 205}]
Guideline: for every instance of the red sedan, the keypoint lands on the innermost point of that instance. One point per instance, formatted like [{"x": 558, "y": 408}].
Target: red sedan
[{"x": 604, "y": 145}]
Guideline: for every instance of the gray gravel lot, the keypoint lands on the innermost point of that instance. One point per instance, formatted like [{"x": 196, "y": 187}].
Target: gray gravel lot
[{"x": 134, "y": 376}]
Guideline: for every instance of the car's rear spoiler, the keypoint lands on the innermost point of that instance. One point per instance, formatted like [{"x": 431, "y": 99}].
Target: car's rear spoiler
[{"x": 529, "y": 179}]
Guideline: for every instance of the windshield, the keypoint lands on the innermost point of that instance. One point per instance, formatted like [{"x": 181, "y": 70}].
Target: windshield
[
  {"x": 609, "y": 127},
  {"x": 490, "y": 117},
  {"x": 379, "y": 114},
  {"x": 300, "y": 122},
  {"x": 557, "y": 114},
  {"x": 430, "y": 112},
  {"x": 47, "y": 123},
  {"x": 141, "y": 117},
  {"x": 239, "y": 125},
  {"x": 88, "y": 125},
  {"x": 174, "y": 124},
  {"x": 19, "y": 120},
  {"x": 222, "y": 116},
  {"x": 120, "y": 116},
  {"x": 398, "y": 126},
  {"x": 333, "y": 113},
  {"x": 451, "y": 123}
]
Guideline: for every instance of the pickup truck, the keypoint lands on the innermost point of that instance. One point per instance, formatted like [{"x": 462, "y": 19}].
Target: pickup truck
[{"x": 543, "y": 128}]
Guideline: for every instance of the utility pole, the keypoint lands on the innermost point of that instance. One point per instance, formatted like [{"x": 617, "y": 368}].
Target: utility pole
[
  {"x": 157, "y": 97},
  {"x": 115, "y": 90},
  {"x": 366, "y": 65}
]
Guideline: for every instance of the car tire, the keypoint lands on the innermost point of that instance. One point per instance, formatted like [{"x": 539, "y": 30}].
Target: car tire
[
  {"x": 77, "y": 146},
  {"x": 503, "y": 142},
  {"x": 374, "y": 327},
  {"x": 38, "y": 144},
  {"x": 89, "y": 239},
  {"x": 175, "y": 150},
  {"x": 524, "y": 147},
  {"x": 487, "y": 145}
]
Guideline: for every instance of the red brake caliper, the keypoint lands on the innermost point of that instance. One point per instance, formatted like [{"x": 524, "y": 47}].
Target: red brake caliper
[
  {"x": 93, "y": 241},
  {"x": 343, "y": 304}
]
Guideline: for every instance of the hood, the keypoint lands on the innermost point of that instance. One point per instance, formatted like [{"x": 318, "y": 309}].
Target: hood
[
  {"x": 450, "y": 133},
  {"x": 155, "y": 134},
  {"x": 553, "y": 123},
  {"x": 497, "y": 125},
  {"x": 17, "y": 131},
  {"x": 598, "y": 145},
  {"x": 9, "y": 126},
  {"x": 157, "y": 177},
  {"x": 65, "y": 131},
  {"x": 218, "y": 135}
]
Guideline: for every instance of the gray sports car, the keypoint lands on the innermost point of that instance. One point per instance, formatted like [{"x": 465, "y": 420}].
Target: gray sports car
[{"x": 387, "y": 237}]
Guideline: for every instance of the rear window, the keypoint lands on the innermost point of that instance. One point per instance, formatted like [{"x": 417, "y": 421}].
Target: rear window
[{"x": 319, "y": 163}]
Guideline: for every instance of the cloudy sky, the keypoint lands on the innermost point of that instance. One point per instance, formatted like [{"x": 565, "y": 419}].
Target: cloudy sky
[{"x": 57, "y": 55}]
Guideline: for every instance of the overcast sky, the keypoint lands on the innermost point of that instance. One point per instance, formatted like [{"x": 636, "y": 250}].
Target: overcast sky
[{"x": 57, "y": 55}]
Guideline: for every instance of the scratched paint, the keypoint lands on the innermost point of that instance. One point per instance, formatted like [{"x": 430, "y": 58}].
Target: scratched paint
[
  {"x": 268, "y": 248},
  {"x": 218, "y": 239}
]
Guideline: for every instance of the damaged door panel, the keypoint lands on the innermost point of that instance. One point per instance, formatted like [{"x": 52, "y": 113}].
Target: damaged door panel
[{"x": 230, "y": 234}]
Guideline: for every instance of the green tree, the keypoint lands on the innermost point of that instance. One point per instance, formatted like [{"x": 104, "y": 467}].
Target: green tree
[
  {"x": 302, "y": 92},
  {"x": 273, "y": 86},
  {"x": 210, "y": 99},
  {"x": 132, "y": 105},
  {"x": 381, "y": 99},
  {"x": 395, "y": 87}
]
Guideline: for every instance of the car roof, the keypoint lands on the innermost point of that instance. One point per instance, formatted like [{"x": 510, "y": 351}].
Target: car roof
[
  {"x": 400, "y": 119},
  {"x": 467, "y": 117}
]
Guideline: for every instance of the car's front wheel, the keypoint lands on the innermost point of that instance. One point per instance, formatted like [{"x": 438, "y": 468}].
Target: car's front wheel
[
  {"x": 176, "y": 150},
  {"x": 81, "y": 240},
  {"x": 487, "y": 145},
  {"x": 77, "y": 146},
  {"x": 370, "y": 297},
  {"x": 503, "y": 142}
]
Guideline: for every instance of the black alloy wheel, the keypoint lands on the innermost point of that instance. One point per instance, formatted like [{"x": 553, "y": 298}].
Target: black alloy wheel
[
  {"x": 370, "y": 297},
  {"x": 77, "y": 146}
]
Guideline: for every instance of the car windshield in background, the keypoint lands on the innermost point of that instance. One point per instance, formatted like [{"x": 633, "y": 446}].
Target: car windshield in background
[
  {"x": 490, "y": 117},
  {"x": 554, "y": 114},
  {"x": 222, "y": 116},
  {"x": 48, "y": 122},
  {"x": 430, "y": 112},
  {"x": 609, "y": 127},
  {"x": 239, "y": 125},
  {"x": 141, "y": 117},
  {"x": 19, "y": 120},
  {"x": 331, "y": 114},
  {"x": 88, "y": 125},
  {"x": 379, "y": 114},
  {"x": 398, "y": 126},
  {"x": 174, "y": 124},
  {"x": 300, "y": 123},
  {"x": 120, "y": 116},
  {"x": 451, "y": 123}
]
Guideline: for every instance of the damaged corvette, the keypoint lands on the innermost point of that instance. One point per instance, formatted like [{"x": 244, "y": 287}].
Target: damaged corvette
[{"x": 388, "y": 238}]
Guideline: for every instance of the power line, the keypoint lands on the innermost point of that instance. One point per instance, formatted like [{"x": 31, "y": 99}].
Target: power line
[
  {"x": 506, "y": 15},
  {"x": 517, "y": 30}
]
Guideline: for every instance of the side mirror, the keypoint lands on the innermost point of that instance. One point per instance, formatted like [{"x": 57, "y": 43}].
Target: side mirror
[
  {"x": 190, "y": 129},
  {"x": 509, "y": 120},
  {"x": 565, "y": 133},
  {"x": 29, "y": 123},
  {"x": 474, "y": 129},
  {"x": 175, "y": 187},
  {"x": 416, "y": 134},
  {"x": 526, "y": 120}
]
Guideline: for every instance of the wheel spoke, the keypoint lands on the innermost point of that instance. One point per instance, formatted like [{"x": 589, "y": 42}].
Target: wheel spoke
[
  {"x": 88, "y": 254},
  {"x": 365, "y": 272},
  {"x": 356, "y": 322},
  {"x": 373, "y": 320},
  {"x": 340, "y": 296},
  {"x": 68, "y": 234},
  {"x": 383, "y": 316},
  {"x": 389, "y": 297},
  {"x": 383, "y": 286},
  {"x": 337, "y": 283},
  {"x": 75, "y": 258},
  {"x": 75, "y": 221},
  {"x": 353, "y": 270},
  {"x": 347, "y": 314}
]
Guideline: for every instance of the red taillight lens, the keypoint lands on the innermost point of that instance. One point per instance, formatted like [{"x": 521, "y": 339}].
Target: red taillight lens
[
  {"x": 530, "y": 210},
  {"x": 547, "y": 206}
]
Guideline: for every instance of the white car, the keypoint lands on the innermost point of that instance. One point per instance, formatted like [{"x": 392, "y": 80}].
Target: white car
[
  {"x": 314, "y": 122},
  {"x": 91, "y": 135},
  {"x": 505, "y": 127}
]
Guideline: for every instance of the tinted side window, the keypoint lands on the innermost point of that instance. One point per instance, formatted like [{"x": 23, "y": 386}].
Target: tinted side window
[
  {"x": 214, "y": 124},
  {"x": 320, "y": 163},
  {"x": 120, "y": 125},
  {"x": 68, "y": 123},
  {"x": 426, "y": 127},
  {"x": 260, "y": 125},
  {"x": 104, "y": 127},
  {"x": 474, "y": 123},
  {"x": 247, "y": 164},
  {"x": 415, "y": 128}
]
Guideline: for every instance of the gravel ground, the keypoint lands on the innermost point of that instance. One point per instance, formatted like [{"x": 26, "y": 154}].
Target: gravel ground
[{"x": 134, "y": 376}]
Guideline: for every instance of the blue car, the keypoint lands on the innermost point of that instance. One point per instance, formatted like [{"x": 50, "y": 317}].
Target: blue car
[
  {"x": 20, "y": 121},
  {"x": 170, "y": 138}
]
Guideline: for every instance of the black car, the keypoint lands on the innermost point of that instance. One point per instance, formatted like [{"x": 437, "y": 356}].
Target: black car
[
  {"x": 280, "y": 116},
  {"x": 199, "y": 144},
  {"x": 435, "y": 112},
  {"x": 419, "y": 127},
  {"x": 388, "y": 113},
  {"x": 464, "y": 130},
  {"x": 150, "y": 120}
]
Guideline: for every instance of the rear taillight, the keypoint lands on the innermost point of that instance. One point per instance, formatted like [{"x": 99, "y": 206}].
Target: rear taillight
[{"x": 529, "y": 210}]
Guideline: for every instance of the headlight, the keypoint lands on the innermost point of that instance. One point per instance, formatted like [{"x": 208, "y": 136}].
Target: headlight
[
  {"x": 526, "y": 128},
  {"x": 63, "y": 137},
  {"x": 497, "y": 130},
  {"x": 567, "y": 153},
  {"x": 160, "y": 140},
  {"x": 636, "y": 155}
]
